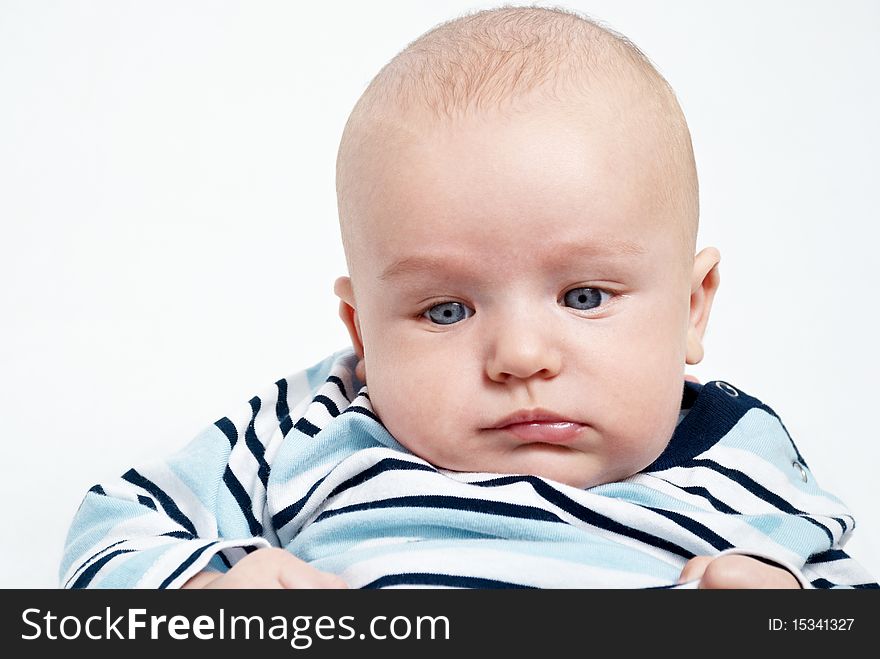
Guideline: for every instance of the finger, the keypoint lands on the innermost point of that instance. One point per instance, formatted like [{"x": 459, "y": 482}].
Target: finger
[
  {"x": 259, "y": 569},
  {"x": 321, "y": 580},
  {"x": 245, "y": 580},
  {"x": 299, "y": 574},
  {"x": 691, "y": 378},
  {"x": 729, "y": 572},
  {"x": 735, "y": 571},
  {"x": 333, "y": 581},
  {"x": 694, "y": 568},
  {"x": 201, "y": 580}
]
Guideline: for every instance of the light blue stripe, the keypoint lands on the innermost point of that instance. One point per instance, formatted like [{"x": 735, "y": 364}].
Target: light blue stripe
[
  {"x": 761, "y": 434},
  {"x": 317, "y": 374},
  {"x": 348, "y": 434},
  {"x": 583, "y": 550},
  {"x": 790, "y": 531},
  {"x": 96, "y": 517},
  {"x": 216, "y": 563},
  {"x": 126, "y": 570},
  {"x": 231, "y": 523},
  {"x": 644, "y": 496},
  {"x": 200, "y": 465},
  {"x": 341, "y": 532}
]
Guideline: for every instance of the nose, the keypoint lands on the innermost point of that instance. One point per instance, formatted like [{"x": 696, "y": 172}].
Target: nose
[{"x": 523, "y": 350}]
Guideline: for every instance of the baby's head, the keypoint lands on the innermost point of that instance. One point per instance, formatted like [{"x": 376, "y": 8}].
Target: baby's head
[{"x": 518, "y": 204}]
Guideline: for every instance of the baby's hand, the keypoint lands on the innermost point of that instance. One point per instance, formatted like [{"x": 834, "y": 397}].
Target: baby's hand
[
  {"x": 267, "y": 568},
  {"x": 736, "y": 571}
]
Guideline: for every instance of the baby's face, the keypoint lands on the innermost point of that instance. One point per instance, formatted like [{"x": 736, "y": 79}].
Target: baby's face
[{"x": 510, "y": 264}]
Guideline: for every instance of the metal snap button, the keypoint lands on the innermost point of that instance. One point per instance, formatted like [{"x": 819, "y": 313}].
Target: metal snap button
[
  {"x": 800, "y": 468},
  {"x": 726, "y": 388}
]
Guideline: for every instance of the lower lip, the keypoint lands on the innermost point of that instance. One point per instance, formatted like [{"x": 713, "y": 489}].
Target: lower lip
[{"x": 552, "y": 433}]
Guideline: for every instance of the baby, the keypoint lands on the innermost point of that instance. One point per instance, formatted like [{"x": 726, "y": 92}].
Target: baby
[{"x": 518, "y": 205}]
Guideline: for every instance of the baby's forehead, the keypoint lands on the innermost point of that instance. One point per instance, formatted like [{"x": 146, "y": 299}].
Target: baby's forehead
[{"x": 503, "y": 183}]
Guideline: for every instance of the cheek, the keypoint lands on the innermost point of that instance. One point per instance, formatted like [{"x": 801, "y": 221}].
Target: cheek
[
  {"x": 634, "y": 360},
  {"x": 653, "y": 342},
  {"x": 411, "y": 384},
  {"x": 644, "y": 377},
  {"x": 419, "y": 398},
  {"x": 652, "y": 423}
]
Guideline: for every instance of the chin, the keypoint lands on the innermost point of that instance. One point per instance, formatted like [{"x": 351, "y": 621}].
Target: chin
[
  {"x": 573, "y": 475},
  {"x": 574, "y": 480}
]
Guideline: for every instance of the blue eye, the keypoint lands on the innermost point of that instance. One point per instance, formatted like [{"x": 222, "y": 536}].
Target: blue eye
[
  {"x": 447, "y": 313},
  {"x": 584, "y": 299}
]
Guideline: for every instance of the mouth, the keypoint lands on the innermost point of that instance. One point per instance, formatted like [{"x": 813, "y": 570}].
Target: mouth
[
  {"x": 549, "y": 433},
  {"x": 539, "y": 425}
]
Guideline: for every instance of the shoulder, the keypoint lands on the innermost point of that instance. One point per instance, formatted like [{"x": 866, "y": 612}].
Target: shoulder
[
  {"x": 280, "y": 405},
  {"x": 719, "y": 412}
]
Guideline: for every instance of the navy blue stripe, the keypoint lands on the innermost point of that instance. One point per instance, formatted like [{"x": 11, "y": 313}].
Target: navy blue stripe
[
  {"x": 670, "y": 586},
  {"x": 164, "y": 500},
  {"x": 819, "y": 525},
  {"x": 770, "y": 411},
  {"x": 189, "y": 561},
  {"x": 339, "y": 384},
  {"x": 146, "y": 501},
  {"x": 228, "y": 429},
  {"x": 243, "y": 500},
  {"x": 694, "y": 527},
  {"x": 357, "y": 409},
  {"x": 717, "y": 504},
  {"x": 748, "y": 483},
  {"x": 282, "y": 410},
  {"x": 588, "y": 515},
  {"x": 97, "y": 489},
  {"x": 386, "y": 464},
  {"x": 86, "y": 577},
  {"x": 712, "y": 414},
  {"x": 690, "y": 393},
  {"x": 842, "y": 522},
  {"x": 255, "y": 445},
  {"x": 549, "y": 494},
  {"x": 828, "y": 555},
  {"x": 601, "y": 521},
  {"x": 181, "y": 535},
  {"x": 450, "y": 503},
  {"x": 225, "y": 560},
  {"x": 329, "y": 404},
  {"x": 448, "y": 580},
  {"x": 282, "y": 517},
  {"x": 761, "y": 492},
  {"x": 91, "y": 558},
  {"x": 307, "y": 427},
  {"x": 822, "y": 583}
]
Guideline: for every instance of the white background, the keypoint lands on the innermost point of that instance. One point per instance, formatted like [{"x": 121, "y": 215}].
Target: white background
[{"x": 169, "y": 235}]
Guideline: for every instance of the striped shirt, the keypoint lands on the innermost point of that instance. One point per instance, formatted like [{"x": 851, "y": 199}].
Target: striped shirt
[{"x": 307, "y": 465}]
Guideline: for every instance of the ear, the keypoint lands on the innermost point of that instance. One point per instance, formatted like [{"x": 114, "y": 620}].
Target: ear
[
  {"x": 704, "y": 284},
  {"x": 348, "y": 313}
]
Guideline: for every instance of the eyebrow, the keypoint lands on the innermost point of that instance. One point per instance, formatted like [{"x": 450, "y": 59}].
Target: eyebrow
[{"x": 411, "y": 265}]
